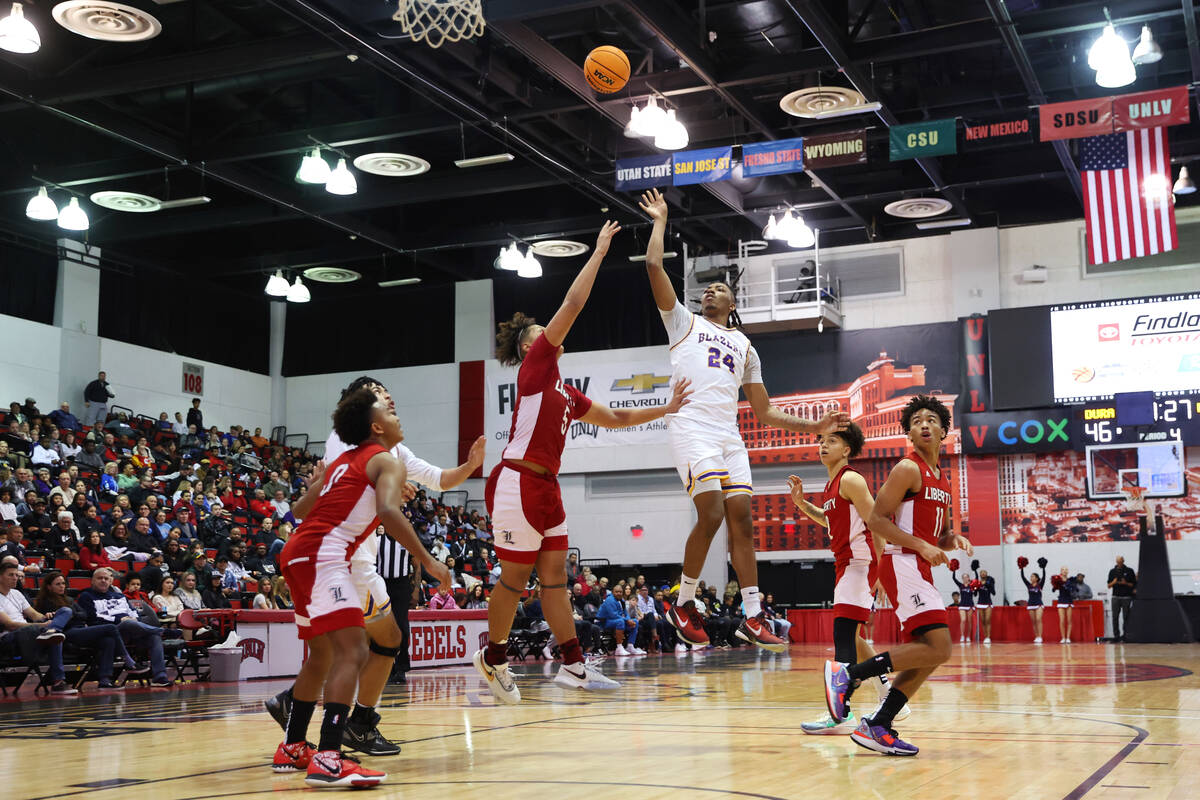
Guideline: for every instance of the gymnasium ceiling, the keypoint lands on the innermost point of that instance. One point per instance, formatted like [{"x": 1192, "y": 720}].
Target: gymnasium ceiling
[{"x": 224, "y": 102}]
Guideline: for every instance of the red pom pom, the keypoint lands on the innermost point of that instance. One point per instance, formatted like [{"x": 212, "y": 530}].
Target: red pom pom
[
  {"x": 975, "y": 584},
  {"x": 954, "y": 565},
  {"x": 1056, "y": 581},
  {"x": 1022, "y": 562}
]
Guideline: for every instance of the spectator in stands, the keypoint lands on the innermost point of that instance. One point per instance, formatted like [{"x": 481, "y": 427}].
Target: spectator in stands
[
  {"x": 42, "y": 481},
  {"x": 29, "y": 630},
  {"x": 64, "y": 419},
  {"x": 440, "y": 527},
  {"x": 215, "y": 594},
  {"x": 265, "y": 599},
  {"x": 1082, "y": 590},
  {"x": 573, "y": 569},
  {"x": 258, "y": 439},
  {"x": 141, "y": 538},
  {"x": 260, "y": 564},
  {"x": 102, "y": 603},
  {"x": 109, "y": 488},
  {"x": 141, "y": 456},
  {"x": 443, "y": 599},
  {"x": 95, "y": 400},
  {"x": 260, "y": 506},
  {"x": 15, "y": 414},
  {"x": 179, "y": 427},
  {"x": 154, "y": 573},
  {"x": 37, "y": 523},
  {"x": 62, "y": 540},
  {"x": 161, "y": 527},
  {"x": 44, "y": 454},
  {"x": 6, "y": 463},
  {"x": 186, "y": 592},
  {"x": 777, "y": 619},
  {"x": 612, "y": 617},
  {"x": 183, "y": 523},
  {"x": 93, "y": 555},
  {"x": 190, "y": 445},
  {"x": 274, "y": 484},
  {"x": 195, "y": 416},
  {"x": 128, "y": 479},
  {"x": 30, "y": 409},
  {"x": 439, "y": 549},
  {"x": 201, "y": 569},
  {"x": 8, "y": 509},
  {"x": 68, "y": 448},
  {"x": 647, "y": 618},
  {"x": 132, "y": 589},
  {"x": 476, "y": 598},
  {"x": 12, "y": 547},
  {"x": 23, "y": 482},
  {"x": 168, "y": 603},
  {"x": 235, "y": 567},
  {"x": 88, "y": 457},
  {"x": 63, "y": 487},
  {"x": 216, "y": 528},
  {"x": 105, "y": 638},
  {"x": 283, "y": 595},
  {"x": 281, "y": 505}
]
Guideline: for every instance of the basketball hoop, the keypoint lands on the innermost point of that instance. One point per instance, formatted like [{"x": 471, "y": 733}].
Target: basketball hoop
[
  {"x": 1135, "y": 498},
  {"x": 440, "y": 21}
]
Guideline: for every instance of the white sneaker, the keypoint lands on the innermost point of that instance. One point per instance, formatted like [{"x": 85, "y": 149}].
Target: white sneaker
[
  {"x": 827, "y": 727},
  {"x": 591, "y": 678},
  {"x": 1068, "y": 641},
  {"x": 499, "y": 680},
  {"x": 882, "y": 686},
  {"x": 870, "y": 641},
  {"x": 547, "y": 653},
  {"x": 637, "y": 651},
  {"x": 681, "y": 649},
  {"x": 1062, "y": 640},
  {"x": 1037, "y": 640},
  {"x": 621, "y": 651},
  {"x": 988, "y": 640}
]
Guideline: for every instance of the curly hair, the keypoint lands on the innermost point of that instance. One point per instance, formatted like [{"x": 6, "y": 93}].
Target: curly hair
[
  {"x": 361, "y": 382},
  {"x": 928, "y": 402},
  {"x": 352, "y": 417},
  {"x": 853, "y": 437},
  {"x": 509, "y": 338}
]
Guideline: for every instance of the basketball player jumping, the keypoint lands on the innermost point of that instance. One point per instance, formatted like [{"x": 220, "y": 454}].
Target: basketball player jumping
[
  {"x": 364, "y": 487},
  {"x": 917, "y": 496},
  {"x": 846, "y": 505},
  {"x": 386, "y": 638},
  {"x": 522, "y": 494},
  {"x": 710, "y": 456}
]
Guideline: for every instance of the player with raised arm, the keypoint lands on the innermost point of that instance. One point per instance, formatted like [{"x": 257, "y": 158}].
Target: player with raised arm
[
  {"x": 912, "y": 512},
  {"x": 386, "y": 638},
  {"x": 846, "y": 505},
  {"x": 708, "y": 350},
  {"x": 528, "y": 522},
  {"x": 364, "y": 488}
]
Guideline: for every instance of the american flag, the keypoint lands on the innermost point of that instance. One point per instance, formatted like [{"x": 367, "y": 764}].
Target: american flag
[{"x": 1127, "y": 200}]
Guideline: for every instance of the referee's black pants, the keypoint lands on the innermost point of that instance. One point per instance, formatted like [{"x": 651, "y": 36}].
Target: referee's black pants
[{"x": 400, "y": 592}]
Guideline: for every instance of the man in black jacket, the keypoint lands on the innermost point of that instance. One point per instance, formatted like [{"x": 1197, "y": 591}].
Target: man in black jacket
[
  {"x": 1123, "y": 581},
  {"x": 195, "y": 416},
  {"x": 96, "y": 396}
]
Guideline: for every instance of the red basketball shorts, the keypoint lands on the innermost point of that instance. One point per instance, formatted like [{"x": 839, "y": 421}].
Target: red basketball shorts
[{"x": 527, "y": 513}]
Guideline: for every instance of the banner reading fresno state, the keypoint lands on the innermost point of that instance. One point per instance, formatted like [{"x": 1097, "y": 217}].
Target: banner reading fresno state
[{"x": 634, "y": 384}]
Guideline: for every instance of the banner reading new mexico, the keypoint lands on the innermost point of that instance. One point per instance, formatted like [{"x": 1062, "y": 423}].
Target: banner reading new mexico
[{"x": 640, "y": 382}]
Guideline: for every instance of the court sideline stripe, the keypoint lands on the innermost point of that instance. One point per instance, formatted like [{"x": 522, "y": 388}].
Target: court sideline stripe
[
  {"x": 1092, "y": 780},
  {"x": 534, "y": 781}
]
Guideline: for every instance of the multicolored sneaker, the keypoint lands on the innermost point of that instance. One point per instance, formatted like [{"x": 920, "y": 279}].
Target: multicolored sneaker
[
  {"x": 827, "y": 727},
  {"x": 882, "y": 740},
  {"x": 330, "y": 769},
  {"x": 293, "y": 757},
  {"x": 837, "y": 686},
  {"x": 689, "y": 623},
  {"x": 755, "y": 631},
  {"x": 499, "y": 680},
  {"x": 367, "y": 739}
]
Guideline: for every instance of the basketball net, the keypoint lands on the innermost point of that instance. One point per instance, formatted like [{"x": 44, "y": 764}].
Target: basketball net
[
  {"x": 1135, "y": 498},
  {"x": 440, "y": 21}
]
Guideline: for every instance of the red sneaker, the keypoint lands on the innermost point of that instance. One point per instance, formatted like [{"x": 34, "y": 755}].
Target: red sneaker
[
  {"x": 689, "y": 623},
  {"x": 331, "y": 769},
  {"x": 755, "y": 631},
  {"x": 293, "y": 757}
]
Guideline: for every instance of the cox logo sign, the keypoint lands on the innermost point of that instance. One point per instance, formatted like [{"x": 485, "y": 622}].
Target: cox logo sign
[
  {"x": 1109, "y": 333},
  {"x": 1032, "y": 432}
]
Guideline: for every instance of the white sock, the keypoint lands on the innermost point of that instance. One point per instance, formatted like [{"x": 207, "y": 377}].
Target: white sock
[
  {"x": 750, "y": 601},
  {"x": 687, "y": 589}
]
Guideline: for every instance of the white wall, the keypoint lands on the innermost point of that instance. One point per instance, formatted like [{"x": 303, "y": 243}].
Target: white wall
[{"x": 29, "y": 363}]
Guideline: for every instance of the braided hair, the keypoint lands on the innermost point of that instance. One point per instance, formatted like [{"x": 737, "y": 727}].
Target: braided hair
[{"x": 510, "y": 336}]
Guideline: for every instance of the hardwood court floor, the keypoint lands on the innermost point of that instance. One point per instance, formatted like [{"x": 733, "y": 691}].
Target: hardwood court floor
[{"x": 1095, "y": 721}]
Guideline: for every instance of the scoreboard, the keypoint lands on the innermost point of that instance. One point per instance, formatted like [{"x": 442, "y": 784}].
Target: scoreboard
[{"x": 1175, "y": 417}]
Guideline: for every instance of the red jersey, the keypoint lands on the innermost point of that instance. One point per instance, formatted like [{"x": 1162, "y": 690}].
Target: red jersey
[
  {"x": 923, "y": 514},
  {"x": 849, "y": 538},
  {"x": 344, "y": 514},
  {"x": 544, "y": 410}
]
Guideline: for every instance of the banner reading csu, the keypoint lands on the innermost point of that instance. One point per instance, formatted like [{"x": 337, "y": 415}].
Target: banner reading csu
[
  {"x": 922, "y": 139},
  {"x": 631, "y": 384}
]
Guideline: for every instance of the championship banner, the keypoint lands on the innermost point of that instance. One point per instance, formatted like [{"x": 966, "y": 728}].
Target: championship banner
[
  {"x": 643, "y": 172},
  {"x": 1151, "y": 109},
  {"x": 922, "y": 139},
  {"x": 703, "y": 166},
  {"x": 632, "y": 384},
  {"x": 982, "y": 133},
  {"x": 772, "y": 158},
  {"x": 835, "y": 149},
  {"x": 1076, "y": 119}
]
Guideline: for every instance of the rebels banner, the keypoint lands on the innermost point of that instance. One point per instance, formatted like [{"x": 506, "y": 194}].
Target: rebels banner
[
  {"x": 835, "y": 149},
  {"x": 772, "y": 158},
  {"x": 1151, "y": 109},
  {"x": 1076, "y": 119}
]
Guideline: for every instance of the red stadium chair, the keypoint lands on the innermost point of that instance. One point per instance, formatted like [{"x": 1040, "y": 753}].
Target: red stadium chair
[
  {"x": 79, "y": 583},
  {"x": 65, "y": 565}
]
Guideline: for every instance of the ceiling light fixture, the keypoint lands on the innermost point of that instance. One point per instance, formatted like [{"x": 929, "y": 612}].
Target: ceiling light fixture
[
  {"x": 17, "y": 34},
  {"x": 1184, "y": 185},
  {"x": 298, "y": 292},
  {"x": 277, "y": 285},
  {"x": 1156, "y": 187},
  {"x": 672, "y": 135},
  {"x": 72, "y": 217},
  {"x": 790, "y": 228},
  {"x": 1109, "y": 56},
  {"x": 509, "y": 259},
  {"x": 483, "y": 161},
  {"x": 42, "y": 208},
  {"x": 649, "y": 121},
  {"x": 313, "y": 168},
  {"x": 341, "y": 180},
  {"x": 530, "y": 266},
  {"x": 1147, "y": 50},
  {"x": 845, "y": 112}
]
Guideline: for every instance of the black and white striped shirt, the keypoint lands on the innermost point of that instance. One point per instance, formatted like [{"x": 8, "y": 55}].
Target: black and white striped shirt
[{"x": 393, "y": 560}]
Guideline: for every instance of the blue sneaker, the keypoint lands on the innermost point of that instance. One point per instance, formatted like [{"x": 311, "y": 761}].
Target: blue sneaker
[
  {"x": 882, "y": 740},
  {"x": 837, "y": 684}
]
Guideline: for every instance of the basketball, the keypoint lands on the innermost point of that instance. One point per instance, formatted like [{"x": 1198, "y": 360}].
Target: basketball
[{"x": 606, "y": 69}]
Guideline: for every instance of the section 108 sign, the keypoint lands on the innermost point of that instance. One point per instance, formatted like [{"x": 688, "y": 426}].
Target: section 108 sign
[{"x": 193, "y": 379}]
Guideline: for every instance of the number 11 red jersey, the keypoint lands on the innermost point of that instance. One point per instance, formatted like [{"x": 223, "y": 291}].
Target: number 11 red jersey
[{"x": 923, "y": 513}]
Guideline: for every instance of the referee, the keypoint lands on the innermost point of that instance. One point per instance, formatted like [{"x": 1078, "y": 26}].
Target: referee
[{"x": 394, "y": 565}]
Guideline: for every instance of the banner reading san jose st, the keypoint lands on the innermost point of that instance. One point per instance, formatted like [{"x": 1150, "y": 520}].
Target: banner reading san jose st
[{"x": 629, "y": 384}]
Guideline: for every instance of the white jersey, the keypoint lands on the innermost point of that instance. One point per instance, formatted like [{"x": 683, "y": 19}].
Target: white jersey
[
  {"x": 419, "y": 471},
  {"x": 717, "y": 360}
]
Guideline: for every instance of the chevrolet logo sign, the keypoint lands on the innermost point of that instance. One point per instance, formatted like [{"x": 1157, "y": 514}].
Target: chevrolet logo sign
[{"x": 641, "y": 384}]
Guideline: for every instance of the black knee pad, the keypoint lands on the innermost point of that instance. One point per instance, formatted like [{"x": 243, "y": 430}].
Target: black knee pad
[{"x": 390, "y": 652}]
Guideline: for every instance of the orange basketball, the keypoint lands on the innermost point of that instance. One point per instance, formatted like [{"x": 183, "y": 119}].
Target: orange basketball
[{"x": 606, "y": 69}]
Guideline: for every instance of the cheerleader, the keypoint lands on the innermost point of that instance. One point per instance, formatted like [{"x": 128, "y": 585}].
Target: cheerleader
[
  {"x": 1065, "y": 586},
  {"x": 985, "y": 590},
  {"x": 966, "y": 602},
  {"x": 1033, "y": 585}
]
